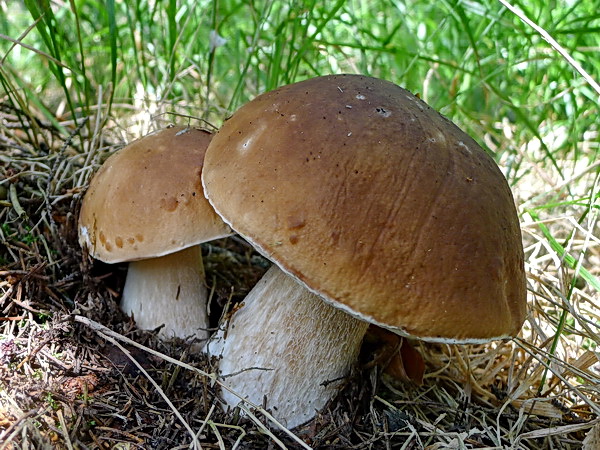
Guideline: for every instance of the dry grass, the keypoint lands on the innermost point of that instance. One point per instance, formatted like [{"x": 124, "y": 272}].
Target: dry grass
[{"x": 68, "y": 382}]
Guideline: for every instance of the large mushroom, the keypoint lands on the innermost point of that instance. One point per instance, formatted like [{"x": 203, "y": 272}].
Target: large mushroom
[
  {"x": 145, "y": 205},
  {"x": 375, "y": 209}
]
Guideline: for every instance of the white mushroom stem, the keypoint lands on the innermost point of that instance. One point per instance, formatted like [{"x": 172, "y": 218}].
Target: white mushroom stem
[
  {"x": 287, "y": 349},
  {"x": 168, "y": 290}
]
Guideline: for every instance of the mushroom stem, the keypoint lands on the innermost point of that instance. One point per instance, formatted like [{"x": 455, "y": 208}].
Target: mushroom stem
[
  {"x": 285, "y": 346},
  {"x": 168, "y": 290}
]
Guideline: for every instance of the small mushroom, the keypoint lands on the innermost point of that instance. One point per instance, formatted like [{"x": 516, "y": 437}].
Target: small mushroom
[
  {"x": 146, "y": 205},
  {"x": 375, "y": 209}
]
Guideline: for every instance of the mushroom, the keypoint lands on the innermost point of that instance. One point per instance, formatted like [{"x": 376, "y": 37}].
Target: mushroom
[
  {"x": 374, "y": 209},
  {"x": 145, "y": 205}
]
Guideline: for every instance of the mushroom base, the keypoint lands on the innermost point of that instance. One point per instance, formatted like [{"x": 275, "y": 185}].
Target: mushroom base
[
  {"x": 168, "y": 291},
  {"x": 286, "y": 348}
]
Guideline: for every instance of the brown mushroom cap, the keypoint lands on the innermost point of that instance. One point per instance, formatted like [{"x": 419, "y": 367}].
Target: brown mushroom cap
[
  {"x": 377, "y": 203},
  {"x": 147, "y": 201}
]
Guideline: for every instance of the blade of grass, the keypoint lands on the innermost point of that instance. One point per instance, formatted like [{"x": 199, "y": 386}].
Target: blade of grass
[
  {"x": 42, "y": 13},
  {"x": 86, "y": 85},
  {"x": 112, "y": 33},
  {"x": 21, "y": 98},
  {"x": 569, "y": 260},
  {"x": 548, "y": 38},
  {"x": 172, "y": 30}
]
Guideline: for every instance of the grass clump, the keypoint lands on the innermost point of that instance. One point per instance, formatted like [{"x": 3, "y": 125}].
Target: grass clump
[{"x": 78, "y": 80}]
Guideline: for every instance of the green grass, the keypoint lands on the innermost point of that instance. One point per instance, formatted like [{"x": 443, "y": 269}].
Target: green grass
[
  {"x": 476, "y": 63},
  {"x": 87, "y": 66}
]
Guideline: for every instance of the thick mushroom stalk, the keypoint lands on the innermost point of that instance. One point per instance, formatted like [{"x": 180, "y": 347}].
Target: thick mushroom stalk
[
  {"x": 170, "y": 291},
  {"x": 286, "y": 348}
]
